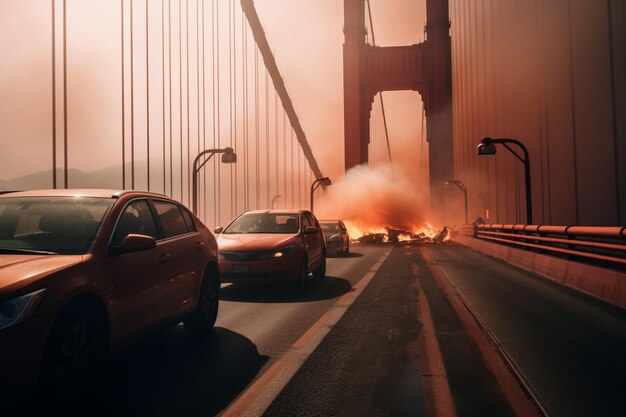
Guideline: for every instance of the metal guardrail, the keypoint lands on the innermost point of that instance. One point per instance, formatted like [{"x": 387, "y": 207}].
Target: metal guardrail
[{"x": 593, "y": 244}]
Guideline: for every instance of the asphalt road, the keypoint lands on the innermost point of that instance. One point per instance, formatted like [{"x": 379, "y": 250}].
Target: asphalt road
[
  {"x": 171, "y": 373},
  {"x": 570, "y": 348}
]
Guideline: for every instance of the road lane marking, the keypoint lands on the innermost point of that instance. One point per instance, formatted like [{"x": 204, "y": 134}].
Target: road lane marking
[
  {"x": 257, "y": 398},
  {"x": 510, "y": 386},
  {"x": 435, "y": 375}
]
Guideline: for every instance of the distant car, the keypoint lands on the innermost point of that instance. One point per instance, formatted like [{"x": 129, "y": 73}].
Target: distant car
[
  {"x": 272, "y": 245},
  {"x": 336, "y": 237},
  {"x": 84, "y": 272}
]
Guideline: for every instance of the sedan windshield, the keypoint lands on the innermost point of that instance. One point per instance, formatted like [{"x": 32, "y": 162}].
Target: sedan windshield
[
  {"x": 46, "y": 225},
  {"x": 280, "y": 223}
]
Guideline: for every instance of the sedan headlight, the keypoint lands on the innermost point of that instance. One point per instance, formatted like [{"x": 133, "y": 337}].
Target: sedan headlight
[
  {"x": 18, "y": 309},
  {"x": 286, "y": 251}
]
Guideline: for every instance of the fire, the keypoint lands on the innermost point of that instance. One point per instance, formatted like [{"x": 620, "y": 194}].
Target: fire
[{"x": 377, "y": 234}]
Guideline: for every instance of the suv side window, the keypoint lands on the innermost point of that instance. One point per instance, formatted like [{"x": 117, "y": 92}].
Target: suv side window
[
  {"x": 135, "y": 219},
  {"x": 171, "y": 218}
]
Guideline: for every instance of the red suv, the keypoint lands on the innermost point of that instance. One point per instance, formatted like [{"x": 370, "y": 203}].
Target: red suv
[{"x": 84, "y": 272}]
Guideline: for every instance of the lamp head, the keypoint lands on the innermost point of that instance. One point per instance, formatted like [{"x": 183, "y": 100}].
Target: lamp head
[
  {"x": 229, "y": 156},
  {"x": 486, "y": 147}
]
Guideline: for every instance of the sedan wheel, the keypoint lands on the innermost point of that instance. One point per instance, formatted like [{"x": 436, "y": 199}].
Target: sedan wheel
[
  {"x": 76, "y": 355},
  {"x": 203, "y": 319},
  {"x": 303, "y": 279},
  {"x": 320, "y": 272}
]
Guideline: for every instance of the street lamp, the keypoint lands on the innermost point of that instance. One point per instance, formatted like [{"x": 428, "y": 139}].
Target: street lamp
[
  {"x": 488, "y": 147},
  {"x": 228, "y": 157},
  {"x": 317, "y": 183},
  {"x": 461, "y": 187}
]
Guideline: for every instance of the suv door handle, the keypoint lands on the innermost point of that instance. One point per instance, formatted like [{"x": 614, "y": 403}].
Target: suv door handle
[
  {"x": 199, "y": 245},
  {"x": 164, "y": 257}
]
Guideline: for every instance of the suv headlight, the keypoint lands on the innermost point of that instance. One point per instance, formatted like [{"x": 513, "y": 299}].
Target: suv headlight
[{"x": 18, "y": 309}]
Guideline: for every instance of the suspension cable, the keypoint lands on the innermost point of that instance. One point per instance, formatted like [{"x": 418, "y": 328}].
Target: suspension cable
[
  {"x": 180, "y": 92},
  {"x": 382, "y": 104},
  {"x": 204, "y": 109},
  {"x": 267, "y": 138}
]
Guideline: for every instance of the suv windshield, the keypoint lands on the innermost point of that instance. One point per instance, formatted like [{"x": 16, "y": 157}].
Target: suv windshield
[
  {"x": 281, "y": 223},
  {"x": 63, "y": 225}
]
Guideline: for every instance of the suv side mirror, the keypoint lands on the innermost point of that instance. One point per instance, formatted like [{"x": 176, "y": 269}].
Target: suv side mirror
[
  {"x": 310, "y": 230},
  {"x": 218, "y": 230}
]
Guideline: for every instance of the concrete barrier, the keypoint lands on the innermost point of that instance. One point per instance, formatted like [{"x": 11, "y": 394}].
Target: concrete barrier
[{"x": 602, "y": 283}]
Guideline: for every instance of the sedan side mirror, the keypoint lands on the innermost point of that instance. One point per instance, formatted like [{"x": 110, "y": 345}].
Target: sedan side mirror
[
  {"x": 134, "y": 242},
  {"x": 218, "y": 230},
  {"x": 310, "y": 230}
]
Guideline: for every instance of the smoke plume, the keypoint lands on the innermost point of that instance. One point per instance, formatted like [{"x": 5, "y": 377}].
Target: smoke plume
[{"x": 374, "y": 198}]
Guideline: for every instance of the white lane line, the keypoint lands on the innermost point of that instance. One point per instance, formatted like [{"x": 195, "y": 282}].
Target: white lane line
[{"x": 257, "y": 398}]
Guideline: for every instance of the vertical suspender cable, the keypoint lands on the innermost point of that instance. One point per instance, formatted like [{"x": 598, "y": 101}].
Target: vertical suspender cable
[
  {"x": 187, "y": 82},
  {"x": 285, "y": 156},
  {"x": 197, "y": 88},
  {"x": 180, "y": 91},
  {"x": 132, "y": 101},
  {"x": 163, "y": 85},
  {"x": 123, "y": 100},
  {"x": 233, "y": 136},
  {"x": 230, "y": 89},
  {"x": 204, "y": 105},
  {"x": 54, "y": 99},
  {"x": 147, "y": 102},
  {"x": 267, "y": 138},
  {"x": 65, "y": 175},
  {"x": 291, "y": 173},
  {"x": 213, "y": 32},
  {"x": 244, "y": 125},
  {"x": 169, "y": 76},
  {"x": 276, "y": 141},
  {"x": 217, "y": 197},
  {"x": 382, "y": 104},
  {"x": 257, "y": 126}
]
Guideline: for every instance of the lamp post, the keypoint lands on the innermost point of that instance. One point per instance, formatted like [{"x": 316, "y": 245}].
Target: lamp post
[
  {"x": 461, "y": 187},
  {"x": 228, "y": 157},
  {"x": 317, "y": 183},
  {"x": 488, "y": 147},
  {"x": 276, "y": 197}
]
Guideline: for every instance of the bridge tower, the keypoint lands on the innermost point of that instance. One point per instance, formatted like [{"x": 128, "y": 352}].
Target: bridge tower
[{"x": 423, "y": 67}]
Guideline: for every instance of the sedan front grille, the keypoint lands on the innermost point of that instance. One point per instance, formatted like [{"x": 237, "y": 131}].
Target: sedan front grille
[{"x": 244, "y": 256}]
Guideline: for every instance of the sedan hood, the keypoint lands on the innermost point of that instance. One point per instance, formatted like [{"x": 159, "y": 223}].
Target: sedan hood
[
  {"x": 20, "y": 270},
  {"x": 252, "y": 242}
]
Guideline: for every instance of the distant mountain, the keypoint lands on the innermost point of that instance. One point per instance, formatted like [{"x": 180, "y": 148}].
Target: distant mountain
[{"x": 110, "y": 177}]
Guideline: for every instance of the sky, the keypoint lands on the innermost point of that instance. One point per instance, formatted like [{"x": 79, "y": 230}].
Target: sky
[{"x": 306, "y": 38}]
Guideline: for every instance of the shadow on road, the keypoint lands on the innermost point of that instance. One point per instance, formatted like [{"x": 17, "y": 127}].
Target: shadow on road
[
  {"x": 170, "y": 373},
  {"x": 276, "y": 292}
]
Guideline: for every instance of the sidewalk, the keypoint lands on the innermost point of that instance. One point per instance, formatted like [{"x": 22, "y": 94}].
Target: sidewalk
[{"x": 372, "y": 363}]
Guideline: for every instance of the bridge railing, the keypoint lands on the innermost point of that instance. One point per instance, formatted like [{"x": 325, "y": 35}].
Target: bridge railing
[{"x": 593, "y": 244}]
